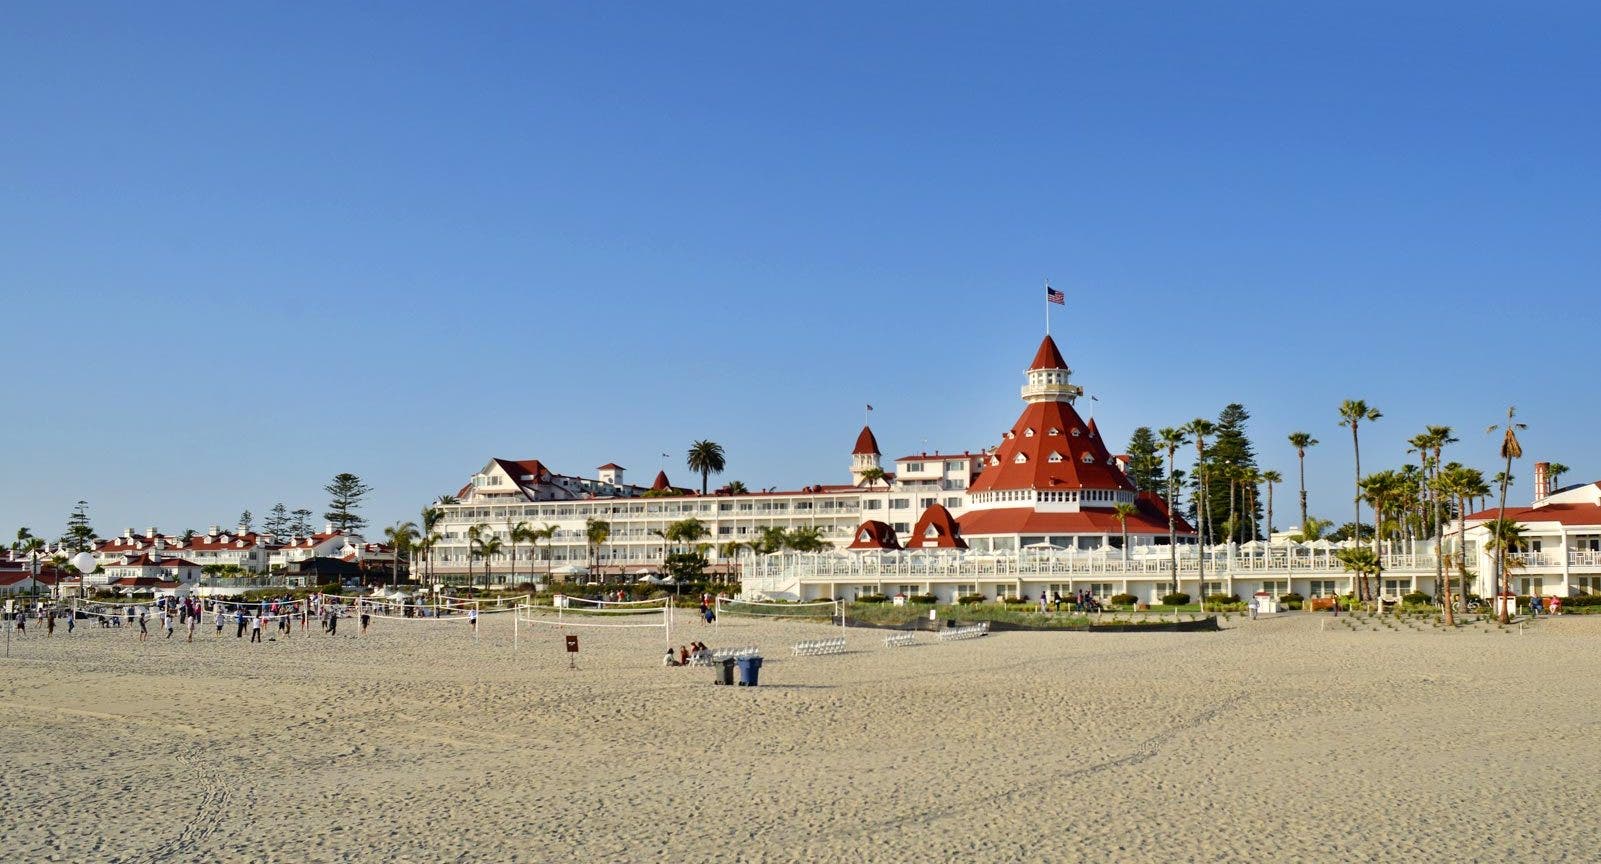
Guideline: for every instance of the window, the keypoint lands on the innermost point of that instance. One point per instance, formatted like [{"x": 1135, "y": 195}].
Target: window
[
  {"x": 1531, "y": 585},
  {"x": 901, "y": 527},
  {"x": 925, "y": 503},
  {"x": 1054, "y": 432},
  {"x": 1028, "y": 433},
  {"x": 1088, "y": 459},
  {"x": 1276, "y": 587},
  {"x": 1397, "y": 587},
  {"x": 914, "y": 466},
  {"x": 1101, "y": 590},
  {"x": 1210, "y": 588},
  {"x": 1075, "y": 432},
  {"x": 1020, "y": 458},
  {"x": 1055, "y": 457},
  {"x": 1321, "y": 588},
  {"x": 955, "y": 466},
  {"x": 953, "y": 502},
  {"x": 899, "y": 503},
  {"x": 870, "y": 504}
]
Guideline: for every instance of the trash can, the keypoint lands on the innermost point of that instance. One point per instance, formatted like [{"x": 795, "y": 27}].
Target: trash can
[
  {"x": 749, "y": 671},
  {"x": 723, "y": 671}
]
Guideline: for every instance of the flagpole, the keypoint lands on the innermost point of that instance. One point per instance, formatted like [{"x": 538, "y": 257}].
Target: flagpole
[{"x": 1047, "y": 307}]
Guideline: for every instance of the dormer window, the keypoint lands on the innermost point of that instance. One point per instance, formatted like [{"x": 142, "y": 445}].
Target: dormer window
[
  {"x": 931, "y": 532},
  {"x": 995, "y": 460},
  {"x": 1028, "y": 433},
  {"x": 1008, "y": 436},
  {"x": 1055, "y": 457},
  {"x": 1054, "y": 432},
  {"x": 1088, "y": 459},
  {"x": 1075, "y": 432},
  {"x": 1020, "y": 458}
]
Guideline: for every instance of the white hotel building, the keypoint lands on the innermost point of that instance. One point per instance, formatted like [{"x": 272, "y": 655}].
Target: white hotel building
[{"x": 1033, "y": 513}]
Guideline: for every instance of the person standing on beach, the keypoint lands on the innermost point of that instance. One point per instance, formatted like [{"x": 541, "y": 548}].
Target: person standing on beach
[
  {"x": 50, "y": 623},
  {"x": 239, "y": 619},
  {"x": 144, "y": 617},
  {"x": 166, "y": 621},
  {"x": 194, "y": 618},
  {"x": 472, "y": 619},
  {"x": 255, "y": 627},
  {"x": 221, "y": 621},
  {"x": 332, "y": 621}
]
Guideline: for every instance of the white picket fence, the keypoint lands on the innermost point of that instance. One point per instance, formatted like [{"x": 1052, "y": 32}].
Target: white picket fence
[
  {"x": 820, "y": 646},
  {"x": 718, "y": 655}
]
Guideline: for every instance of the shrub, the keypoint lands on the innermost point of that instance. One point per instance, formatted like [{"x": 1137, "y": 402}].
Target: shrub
[
  {"x": 1416, "y": 598},
  {"x": 1582, "y": 600},
  {"x": 1292, "y": 597},
  {"x": 1123, "y": 600},
  {"x": 1222, "y": 599},
  {"x": 923, "y": 598},
  {"x": 1292, "y": 604},
  {"x": 872, "y": 598},
  {"x": 970, "y": 598},
  {"x": 1178, "y": 599}
]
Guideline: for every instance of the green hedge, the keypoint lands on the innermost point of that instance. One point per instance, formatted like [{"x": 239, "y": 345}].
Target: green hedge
[
  {"x": 928, "y": 599},
  {"x": 1175, "y": 599},
  {"x": 969, "y": 599},
  {"x": 1123, "y": 600},
  {"x": 872, "y": 598}
]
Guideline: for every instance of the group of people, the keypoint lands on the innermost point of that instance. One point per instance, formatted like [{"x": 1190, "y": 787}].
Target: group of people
[
  {"x": 687, "y": 654},
  {"x": 1080, "y": 601}
]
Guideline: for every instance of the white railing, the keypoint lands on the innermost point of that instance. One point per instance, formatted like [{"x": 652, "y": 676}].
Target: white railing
[{"x": 915, "y": 566}]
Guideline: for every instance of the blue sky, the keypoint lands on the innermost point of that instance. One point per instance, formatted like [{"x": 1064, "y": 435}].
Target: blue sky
[{"x": 246, "y": 246}]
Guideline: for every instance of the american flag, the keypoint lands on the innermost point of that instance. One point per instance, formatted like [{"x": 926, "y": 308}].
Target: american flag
[
  {"x": 1054, "y": 296},
  {"x": 869, "y": 407}
]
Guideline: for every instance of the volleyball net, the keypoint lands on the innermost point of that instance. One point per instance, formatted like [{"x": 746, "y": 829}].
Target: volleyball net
[
  {"x": 813, "y": 610},
  {"x": 578, "y": 612}
]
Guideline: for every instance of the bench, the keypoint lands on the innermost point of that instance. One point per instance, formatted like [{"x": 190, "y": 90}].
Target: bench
[
  {"x": 972, "y": 631},
  {"x": 900, "y": 640},
  {"x": 816, "y": 647}
]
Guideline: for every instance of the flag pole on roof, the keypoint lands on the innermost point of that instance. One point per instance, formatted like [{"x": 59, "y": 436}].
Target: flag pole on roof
[{"x": 1052, "y": 296}]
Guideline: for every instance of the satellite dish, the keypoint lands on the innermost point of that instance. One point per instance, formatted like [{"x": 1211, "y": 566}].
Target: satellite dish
[{"x": 84, "y": 562}]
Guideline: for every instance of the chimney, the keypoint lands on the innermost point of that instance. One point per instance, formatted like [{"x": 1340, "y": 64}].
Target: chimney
[
  {"x": 1542, "y": 480},
  {"x": 150, "y": 533}
]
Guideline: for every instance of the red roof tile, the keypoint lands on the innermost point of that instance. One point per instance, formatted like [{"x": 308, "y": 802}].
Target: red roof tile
[
  {"x": 1566, "y": 514},
  {"x": 866, "y": 444},
  {"x": 1048, "y": 357},
  {"x": 874, "y": 534},
  {"x": 1023, "y": 520},
  {"x": 936, "y": 529},
  {"x": 1037, "y": 471},
  {"x": 660, "y": 484}
]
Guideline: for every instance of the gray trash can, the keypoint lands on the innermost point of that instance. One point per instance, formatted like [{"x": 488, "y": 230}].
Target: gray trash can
[
  {"x": 749, "y": 671},
  {"x": 723, "y": 671}
]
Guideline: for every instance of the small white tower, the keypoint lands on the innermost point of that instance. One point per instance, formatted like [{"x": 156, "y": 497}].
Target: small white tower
[{"x": 865, "y": 455}]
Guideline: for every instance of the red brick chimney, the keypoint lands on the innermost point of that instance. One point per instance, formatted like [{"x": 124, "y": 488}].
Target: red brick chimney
[{"x": 1542, "y": 480}]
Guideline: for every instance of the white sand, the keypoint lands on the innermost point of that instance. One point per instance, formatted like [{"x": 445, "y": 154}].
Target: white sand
[{"x": 1272, "y": 741}]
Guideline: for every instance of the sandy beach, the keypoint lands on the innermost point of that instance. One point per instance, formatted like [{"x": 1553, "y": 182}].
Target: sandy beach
[{"x": 1272, "y": 740}]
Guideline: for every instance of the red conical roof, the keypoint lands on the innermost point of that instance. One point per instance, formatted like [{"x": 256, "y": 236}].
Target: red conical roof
[
  {"x": 1082, "y": 459},
  {"x": 661, "y": 483},
  {"x": 866, "y": 444},
  {"x": 1048, "y": 357}
]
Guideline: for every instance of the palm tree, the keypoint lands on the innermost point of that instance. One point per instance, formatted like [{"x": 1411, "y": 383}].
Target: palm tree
[
  {"x": 488, "y": 546},
  {"x": 473, "y": 535},
  {"x": 431, "y": 517},
  {"x": 1270, "y": 477},
  {"x": 1555, "y": 471},
  {"x": 706, "y": 457},
  {"x": 401, "y": 536},
  {"x": 729, "y": 551},
  {"x": 871, "y": 476},
  {"x": 1122, "y": 510},
  {"x": 1381, "y": 489},
  {"x": 595, "y": 533},
  {"x": 1352, "y": 413},
  {"x": 1312, "y": 529},
  {"x": 1506, "y": 535},
  {"x": 518, "y": 533},
  {"x": 736, "y": 487},
  {"x": 1510, "y": 449},
  {"x": 1200, "y": 427},
  {"x": 1300, "y": 441},
  {"x": 547, "y": 534},
  {"x": 1429, "y": 445},
  {"x": 1362, "y": 562},
  {"x": 1172, "y": 439}
]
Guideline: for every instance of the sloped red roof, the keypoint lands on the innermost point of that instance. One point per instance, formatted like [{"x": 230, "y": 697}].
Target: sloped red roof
[
  {"x": 874, "y": 534},
  {"x": 1048, "y": 357},
  {"x": 1037, "y": 471},
  {"x": 866, "y": 444},
  {"x": 611, "y": 466},
  {"x": 1023, "y": 520},
  {"x": 936, "y": 529},
  {"x": 660, "y": 484},
  {"x": 1566, "y": 514},
  {"x": 147, "y": 561}
]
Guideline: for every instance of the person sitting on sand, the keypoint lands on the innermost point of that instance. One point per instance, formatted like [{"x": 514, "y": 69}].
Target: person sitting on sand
[
  {"x": 668, "y": 660},
  {"x": 683, "y": 655}
]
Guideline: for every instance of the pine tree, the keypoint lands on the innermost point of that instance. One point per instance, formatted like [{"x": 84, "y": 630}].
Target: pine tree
[
  {"x": 1229, "y": 451},
  {"x": 247, "y": 522},
  {"x": 301, "y": 525},
  {"x": 1145, "y": 468},
  {"x": 277, "y": 522},
  {"x": 80, "y": 536},
  {"x": 346, "y": 491}
]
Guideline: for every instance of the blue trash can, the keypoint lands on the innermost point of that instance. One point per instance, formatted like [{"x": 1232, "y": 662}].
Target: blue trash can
[{"x": 749, "y": 671}]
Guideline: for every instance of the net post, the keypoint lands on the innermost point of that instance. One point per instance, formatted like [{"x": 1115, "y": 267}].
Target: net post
[
  {"x": 516, "y": 627},
  {"x": 667, "y": 615}
]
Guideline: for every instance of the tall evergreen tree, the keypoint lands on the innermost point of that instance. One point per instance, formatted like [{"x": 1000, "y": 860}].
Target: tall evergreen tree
[
  {"x": 1145, "y": 461},
  {"x": 247, "y": 521},
  {"x": 345, "y": 493},
  {"x": 300, "y": 525},
  {"x": 80, "y": 536},
  {"x": 1230, "y": 452},
  {"x": 277, "y": 522}
]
